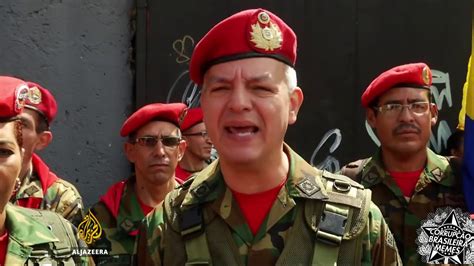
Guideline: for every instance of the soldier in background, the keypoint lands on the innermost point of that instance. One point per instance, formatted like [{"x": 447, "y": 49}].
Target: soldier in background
[
  {"x": 154, "y": 146},
  {"x": 198, "y": 145},
  {"x": 407, "y": 179},
  {"x": 38, "y": 187},
  {"x": 27, "y": 237},
  {"x": 260, "y": 203}
]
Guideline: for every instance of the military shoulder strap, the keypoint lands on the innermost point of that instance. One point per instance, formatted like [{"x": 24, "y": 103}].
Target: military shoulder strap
[
  {"x": 59, "y": 250},
  {"x": 354, "y": 169},
  {"x": 191, "y": 223},
  {"x": 343, "y": 217}
]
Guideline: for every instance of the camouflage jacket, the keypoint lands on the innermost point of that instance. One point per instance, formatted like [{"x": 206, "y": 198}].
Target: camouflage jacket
[
  {"x": 41, "y": 238},
  {"x": 437, "y": 187},
  {"x": 42, "y": 189},
  {"x": 161, "y": 243},
  {"x": 119, "y": 214}
]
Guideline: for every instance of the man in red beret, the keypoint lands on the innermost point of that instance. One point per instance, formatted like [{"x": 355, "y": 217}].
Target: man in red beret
[
  {"x": 37, "y": 186},
  {"x": 27, "y": 236},
  {"x": 154, "y": 146},
  {"x": 198, "y": 145},
  {"x": 260, "y": 203},
  {"x": 407, "y": 179}
]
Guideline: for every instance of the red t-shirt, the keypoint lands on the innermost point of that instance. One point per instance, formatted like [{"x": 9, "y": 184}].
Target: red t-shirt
[
  {"x": 145, "y": 208},
  {"x": 3, "y": 247},
  {"x": 255, "y": 207},
  {"x": 406, "y": 181}
]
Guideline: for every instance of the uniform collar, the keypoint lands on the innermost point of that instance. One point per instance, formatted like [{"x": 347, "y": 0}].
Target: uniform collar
[
  {"x": 436, "y": 169},
  {"x": 304, "y": 181},
  {"x": 46, "y": 177},
  {"x": 130, "y": 213}
]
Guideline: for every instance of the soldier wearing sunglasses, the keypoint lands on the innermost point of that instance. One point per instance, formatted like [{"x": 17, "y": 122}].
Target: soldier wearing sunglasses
[
  {"x": 407, "y": 179},
  {"x": 154, "y": 147},
  {"x": 198, "y": 145}
]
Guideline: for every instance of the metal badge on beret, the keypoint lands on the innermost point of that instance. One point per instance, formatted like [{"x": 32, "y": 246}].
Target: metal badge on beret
[
  {"x": 426, "y": 74},
  {"x": 21, "y": 94},
  {"x": 182, "y": 116},
  {"x": 265, "y": 34},
  {"x": 34, "y": 95}
]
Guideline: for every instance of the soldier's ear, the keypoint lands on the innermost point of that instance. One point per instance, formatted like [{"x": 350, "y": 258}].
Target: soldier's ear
[
  {"x": 371, "y": 116},
  {"x": 434, "y": 113},
  {"x": 296, "y": 99},
  {"x": 44, "y": 138},
  {"x": 181, "y": 149},
  {"x": 129, "y": 150}
]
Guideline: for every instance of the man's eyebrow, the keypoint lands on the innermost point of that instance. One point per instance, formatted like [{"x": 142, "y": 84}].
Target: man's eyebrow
[
  {"x": 7, "y": 142},
  {"x": 219, "y": 79}
]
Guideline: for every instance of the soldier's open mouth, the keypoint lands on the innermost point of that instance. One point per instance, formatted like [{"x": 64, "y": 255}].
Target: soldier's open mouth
[{"x": 242, "y": 131}]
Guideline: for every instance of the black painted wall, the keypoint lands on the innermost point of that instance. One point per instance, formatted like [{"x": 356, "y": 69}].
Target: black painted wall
[{"x": 342, "y": 46}]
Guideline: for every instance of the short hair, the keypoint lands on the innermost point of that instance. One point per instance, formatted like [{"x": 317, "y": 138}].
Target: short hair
[
  {"x": 42, "y": 124},
  {"x": 291, "y": 79}
]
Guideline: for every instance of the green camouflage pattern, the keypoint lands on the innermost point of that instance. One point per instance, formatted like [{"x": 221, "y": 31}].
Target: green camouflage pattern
[
  {"x": 30, "y": 241},
  {"x": 437, "y": 187},
  {"x": 61, "y": 197},
  {"x": 118, "y": 233},
  {"x": 161, "y": 243}
]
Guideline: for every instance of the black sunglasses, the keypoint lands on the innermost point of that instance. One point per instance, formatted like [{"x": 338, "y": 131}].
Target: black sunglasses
[{"x": 151, "y": 141}]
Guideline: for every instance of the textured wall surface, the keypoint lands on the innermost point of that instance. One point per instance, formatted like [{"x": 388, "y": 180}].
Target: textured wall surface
[{"x": 80, "y": 51}]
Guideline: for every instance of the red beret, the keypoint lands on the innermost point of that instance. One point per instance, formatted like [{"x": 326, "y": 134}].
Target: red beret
[
  {"x": 193, "y": 117},
  {"x": 13, "y": 93},
  {"x": 42, "y": 101},
  {"x": 171, "y": 112},
  {"x": 416, "y": 75},
  {"x": 249, "y": 33}
]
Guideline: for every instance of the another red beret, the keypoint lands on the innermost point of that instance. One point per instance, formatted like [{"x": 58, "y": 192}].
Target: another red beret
[
  {"x": 13, "y": 93},
  {"x": 42, "y": 101},
  {"x": 249, "y": 33},
  {"x": 171, "y": 112},
  {"x": 416, "y": 75},
  {"x": 193, "y": 117}
]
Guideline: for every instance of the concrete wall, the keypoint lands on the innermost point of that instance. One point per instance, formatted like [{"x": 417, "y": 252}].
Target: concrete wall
[{"x": 79, "y": 50}]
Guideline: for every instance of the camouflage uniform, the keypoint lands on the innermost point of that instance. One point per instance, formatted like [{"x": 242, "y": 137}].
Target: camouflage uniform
[
  {"x": 42, "y": 189},
  {"x": 286, "y": 237},
  {"x": 41, "y": 237},
  {"x": 119, "y": 221},
  {"x": 437, "y": 187}
]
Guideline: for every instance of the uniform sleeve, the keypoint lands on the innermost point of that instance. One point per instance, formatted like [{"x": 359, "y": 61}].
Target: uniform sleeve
[
  {"x": 63, "y": 198},
  {"x": 149, "y": 245},
  {"x": 379, "y": 247}
]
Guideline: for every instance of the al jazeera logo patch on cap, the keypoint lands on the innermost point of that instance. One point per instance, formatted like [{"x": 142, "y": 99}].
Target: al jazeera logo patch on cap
[{"x": 446, "y": 237}]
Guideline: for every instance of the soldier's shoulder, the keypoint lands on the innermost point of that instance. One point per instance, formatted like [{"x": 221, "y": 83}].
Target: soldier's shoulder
[
  {"x": 64, "y": 185},
  {"x": 337, "y": 177},
  {"x": 103, "y": 214},
  {"x": 352, "y": 169},
  {"x": 41, "y": 219}
]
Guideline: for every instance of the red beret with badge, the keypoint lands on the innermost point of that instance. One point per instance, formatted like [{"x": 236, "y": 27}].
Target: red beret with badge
[
  {"x": 42, "y": 101},
  {"x": 249, "y": 33},
  {"x": 415, "y": 75},
  {"x": 13, "y": 93},
  {"x": 194, "y": 116},
  {"x": 169, "y": 112}
]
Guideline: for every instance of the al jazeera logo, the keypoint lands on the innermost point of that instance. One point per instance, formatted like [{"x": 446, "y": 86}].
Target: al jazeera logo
[
  {"x": 90, "y": 231},
  {"x": 446, "y": 237}
]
